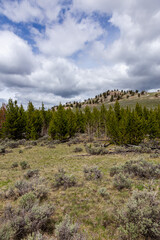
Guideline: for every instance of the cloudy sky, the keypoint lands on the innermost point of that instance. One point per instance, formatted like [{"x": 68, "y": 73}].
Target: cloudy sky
[{"x": 64, "y": 50}]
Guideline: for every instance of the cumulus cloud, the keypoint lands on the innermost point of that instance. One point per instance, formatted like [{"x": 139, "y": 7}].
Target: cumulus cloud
[
  {"x": 16, "y": 56},
  {"x": 69, "y": 37},
  {"x": 28, "y": 10},
  {"x": 77, "y": 58}
]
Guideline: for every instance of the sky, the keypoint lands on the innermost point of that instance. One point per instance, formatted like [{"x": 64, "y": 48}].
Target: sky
[{"x": 54, "y": 51}]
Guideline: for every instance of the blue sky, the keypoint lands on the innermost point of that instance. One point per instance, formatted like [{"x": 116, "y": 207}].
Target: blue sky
[{"x": 59, "y": 51}]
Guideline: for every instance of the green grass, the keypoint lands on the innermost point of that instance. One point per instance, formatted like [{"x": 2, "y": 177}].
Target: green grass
[{"x": 82, "y": 202}]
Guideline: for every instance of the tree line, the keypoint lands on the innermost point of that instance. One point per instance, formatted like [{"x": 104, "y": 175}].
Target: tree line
[{"x": 121, "y": 126}]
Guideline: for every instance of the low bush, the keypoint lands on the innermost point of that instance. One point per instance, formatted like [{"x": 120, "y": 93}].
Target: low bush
[
  {"x": 27, "y": 200},
  {"x": 2, "y": 149},
  {"x": 121, "y": 181},
  {"x": 155, "y": 155},
  {"x": 62, "y": 179},
  {"x": 96, "y": 150},
  {"x": 22, "y": 187},
  {"x": 140, "y": 218},
  {"x": 10, "y": 194},
  {"x": 14, "y": 165},
  {"x": 6, "y": 232},
  {"x": 115, "y": 170},
  {"x": 139, "y": 168},
  {"x": 31, "y": 173},
  {"x": 103, "y": 192},
  {"x": 22, "y": 142},
  {"x": 24, "y": 165},
  {"x": 35, "y": 236},
  {"x": 92, "y": 173},
  {"x": 41, "y": 192},
  {"x": 38, "y": 236},
  {"x": 66, "y": 230},
  {"x": 37, "y": 186},
  {"x": 28, "y": 217},
  {"x": 13, "y": 144},
  {"x": 78, "y": 149}
]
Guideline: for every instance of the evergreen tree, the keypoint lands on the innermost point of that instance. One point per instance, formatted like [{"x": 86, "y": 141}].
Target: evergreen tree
[
  {"x": 71, "y": 123},
  {"x": 88, "y": 121},
  {"x": 58, "y": 128},
  {"x": 2, "y": 117},
  {"x": 80, "y": 121},
  {"x": 117, "y": 110},
  {"x": 96, "y": 121},
  {"x": 14, "y": 127}
]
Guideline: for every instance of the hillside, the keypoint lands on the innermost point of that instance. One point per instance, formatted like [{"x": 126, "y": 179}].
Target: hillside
[{"x": 126, "y": 99}]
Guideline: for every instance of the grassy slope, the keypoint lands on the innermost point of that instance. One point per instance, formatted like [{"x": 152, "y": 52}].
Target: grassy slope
[
  {"x": 149, "y": 100},
  {"x": 83, "y": 203}
]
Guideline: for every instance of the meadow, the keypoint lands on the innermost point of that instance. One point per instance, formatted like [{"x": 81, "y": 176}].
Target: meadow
[{"x": 92, "y": 203}]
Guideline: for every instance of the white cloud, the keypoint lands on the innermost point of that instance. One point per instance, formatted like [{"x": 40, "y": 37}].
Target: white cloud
[
  {"x": 52, "y": 76},
  {"x": 28, "y": 10},
  {"x": 16, "y": 56},
  {"x": 69, "y": 37}
]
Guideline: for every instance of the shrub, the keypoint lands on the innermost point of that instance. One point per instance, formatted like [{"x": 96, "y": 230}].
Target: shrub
[
  {"x": 78, "y": 149},
  {"x": 140, "y": 218},
  {"x": 2, "y": 149},
  {"x": 96, "y": 150},
  {"x": 61, "y": 179},
  {"x": 33, "y": 143},
  {"x": 22, "y": 142},
  {"x": 13, "y": 144},
  {"x": 6, "y": 232},
  {"x": 154, "y": 155},
  {"x": 20, "y": 151},
  {"x": 121, "y": 182},
  {"x": 66, "y": 230},
  {"x": 41, "y": 192},
  {"x": 10, "y": 193},
  {"x": 92, "y": 173},
  {"x": 51, "y": 146},
  {"x": 35, "y": 236},
  {"x": 23, "y": 187},
  {"x": 14, "y": 165},
  {"x": 139, "y": 168},
  {"x": 26, "y": 220},
  {"x": 27, "y": 200},
  {"x": 115, "y": 170},
  {"x": 31, "y": 173},
  {"x": 36, "y": 185},
  {"x": 103, "y": 192},
  {"x": 24, "y": 165},
  {"x": 38, "y": 236}
]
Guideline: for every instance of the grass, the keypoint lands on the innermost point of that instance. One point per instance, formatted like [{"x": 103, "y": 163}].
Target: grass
[
  {"x": 82, "y": 202},
  {"x": 148, "y": 100}
]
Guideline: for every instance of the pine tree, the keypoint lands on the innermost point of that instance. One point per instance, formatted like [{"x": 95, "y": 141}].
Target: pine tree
[
  {"x": 15, "y": 122},
  {"x": 117, "y": 110},
  {"x": 80, "y": 121},
  {"x": 58, "y": 128},
  {"x": 2, "y": 117},
  {"x": 96, "y": 121},
  {"x": 71, "y": 122}
]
